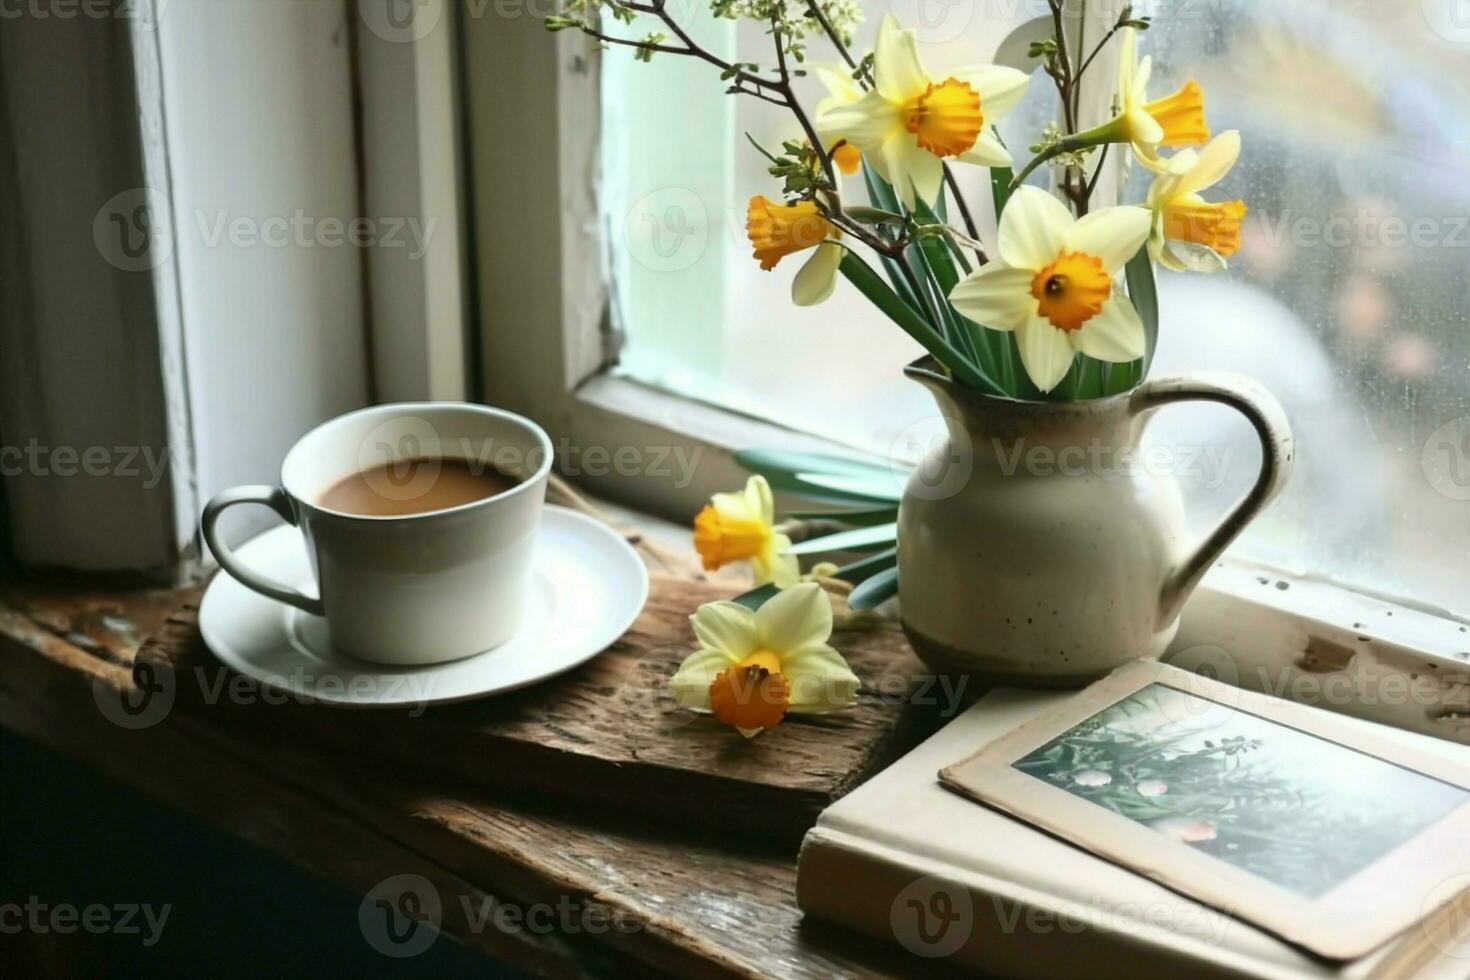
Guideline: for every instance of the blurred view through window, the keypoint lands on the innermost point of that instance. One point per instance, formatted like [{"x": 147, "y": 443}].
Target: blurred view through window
[{"x": 1348, "y": 298}]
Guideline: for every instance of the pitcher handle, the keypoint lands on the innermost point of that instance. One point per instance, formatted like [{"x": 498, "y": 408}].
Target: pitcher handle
[{"x": 1268, "y": 418}]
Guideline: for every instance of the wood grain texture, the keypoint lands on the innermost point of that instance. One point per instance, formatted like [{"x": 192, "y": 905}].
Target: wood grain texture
[
  {"x": 688, "y": 901},
  {"x": 607, "y": 734}
]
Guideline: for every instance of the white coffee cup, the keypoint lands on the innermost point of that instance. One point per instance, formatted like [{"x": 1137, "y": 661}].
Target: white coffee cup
[{"x": 416, "y": 589}]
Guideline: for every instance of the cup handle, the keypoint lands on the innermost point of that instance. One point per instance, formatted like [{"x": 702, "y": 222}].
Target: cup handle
[
  {"x": 1277, "y": 452},
  {"x": 277, "y": 501}
]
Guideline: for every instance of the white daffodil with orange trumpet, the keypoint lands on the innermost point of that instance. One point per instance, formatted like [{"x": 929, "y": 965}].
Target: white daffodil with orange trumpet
[
  {"x": 842, "y": 90},
  {"x": 1054, "y": 284},
  {"x": 742, "y": 527},
  {"x": 1068, "y": 285},
  {"x": 1059, "y": 305},
  {"x": 910, "y": 121},
  {"x": 753, "y": 667},
  {"x": 1177, "y": 119},
  {"x": 1190, "y": 233},
  {"x": 779, "y": 230}
]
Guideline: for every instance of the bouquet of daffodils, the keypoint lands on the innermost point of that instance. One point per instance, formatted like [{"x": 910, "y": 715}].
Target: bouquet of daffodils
[{"x": 1061, "y": 305}]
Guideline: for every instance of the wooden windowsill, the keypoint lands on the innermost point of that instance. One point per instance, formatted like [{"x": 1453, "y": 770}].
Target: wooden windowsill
[
  {"x": 687, "y": 904},
  {"x": 691, "y": 903}
]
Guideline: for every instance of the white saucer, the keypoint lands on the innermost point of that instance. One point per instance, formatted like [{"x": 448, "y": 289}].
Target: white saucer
[{"x": 587, "y": 587}]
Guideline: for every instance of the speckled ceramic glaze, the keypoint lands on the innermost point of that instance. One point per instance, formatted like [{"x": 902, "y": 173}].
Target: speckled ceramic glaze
[{"x": 1035, "y": 547}]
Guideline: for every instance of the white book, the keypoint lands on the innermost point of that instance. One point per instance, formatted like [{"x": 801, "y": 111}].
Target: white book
[{"x": 906, "y": 860}]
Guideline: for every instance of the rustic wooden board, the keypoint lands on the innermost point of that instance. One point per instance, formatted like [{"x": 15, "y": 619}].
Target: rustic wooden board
[
  {"x": 694, "y": 904},
  {"x": 606, "y": 734}
]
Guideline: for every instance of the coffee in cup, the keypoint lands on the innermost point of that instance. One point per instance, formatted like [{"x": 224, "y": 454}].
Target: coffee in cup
[{"x": 420, "y": 520}]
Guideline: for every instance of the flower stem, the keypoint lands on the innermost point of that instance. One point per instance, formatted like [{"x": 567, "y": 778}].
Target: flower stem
[
  {"x": 871, "y": 285},
  {"x": 971, "y": 229},
  {"x": 1056, "y": 149},
  {"x": 820, "y": 16},
  {"x": 1063, "y": 75},
  {"x": 864, "y": 81},
  {"x": 1108, "y": 132}
]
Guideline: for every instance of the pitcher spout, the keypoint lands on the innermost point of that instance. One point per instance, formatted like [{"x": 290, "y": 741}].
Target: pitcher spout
[{"x": 997, "y": 428}]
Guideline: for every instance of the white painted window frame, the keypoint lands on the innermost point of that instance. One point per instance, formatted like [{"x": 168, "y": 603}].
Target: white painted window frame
[
  {"x": 408, "y": 76},
  {"x": 203, "y": 352},
  {"x": 532, "y": 116}
]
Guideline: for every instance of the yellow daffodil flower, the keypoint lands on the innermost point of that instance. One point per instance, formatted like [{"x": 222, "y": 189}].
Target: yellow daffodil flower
[
  {"x": 1190, "y": 233},
  {"x": 1053, "y": 284},
  {"x": 778, "y": 230},
  {"x": 910, "y": 122},
  {"x": 752, "y": 668},
  {"x": 742, "y": 526},
  {"x": 842, "y": 90},
  {"x": 1174, "y": 120}
]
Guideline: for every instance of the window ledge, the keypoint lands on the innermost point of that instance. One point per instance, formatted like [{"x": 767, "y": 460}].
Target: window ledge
[
  {"x": 1294, "y": 636},
  {"x": 677, "y": 451},
  {"x": 1315, "y": 641}
]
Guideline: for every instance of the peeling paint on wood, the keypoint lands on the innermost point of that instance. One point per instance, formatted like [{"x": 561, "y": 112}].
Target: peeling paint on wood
[{"x": 1323, "y": 656}]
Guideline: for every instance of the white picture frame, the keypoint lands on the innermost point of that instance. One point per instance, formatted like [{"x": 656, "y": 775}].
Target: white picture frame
[{"x": 1369, "y": 903}]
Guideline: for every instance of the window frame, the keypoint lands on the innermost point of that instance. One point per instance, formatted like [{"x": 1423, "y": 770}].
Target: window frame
[{"x": 547, "y": 351}]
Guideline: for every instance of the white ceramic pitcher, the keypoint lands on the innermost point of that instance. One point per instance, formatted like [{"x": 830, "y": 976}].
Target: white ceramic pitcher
[{"x": 1036, "y": 546}]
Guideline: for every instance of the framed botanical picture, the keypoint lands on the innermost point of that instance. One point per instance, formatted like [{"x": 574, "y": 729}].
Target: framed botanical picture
[{"x": 1309, "y": 826}]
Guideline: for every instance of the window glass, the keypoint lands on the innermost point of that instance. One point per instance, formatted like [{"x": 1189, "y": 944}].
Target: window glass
[{"x": 1348, "y": 298}]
